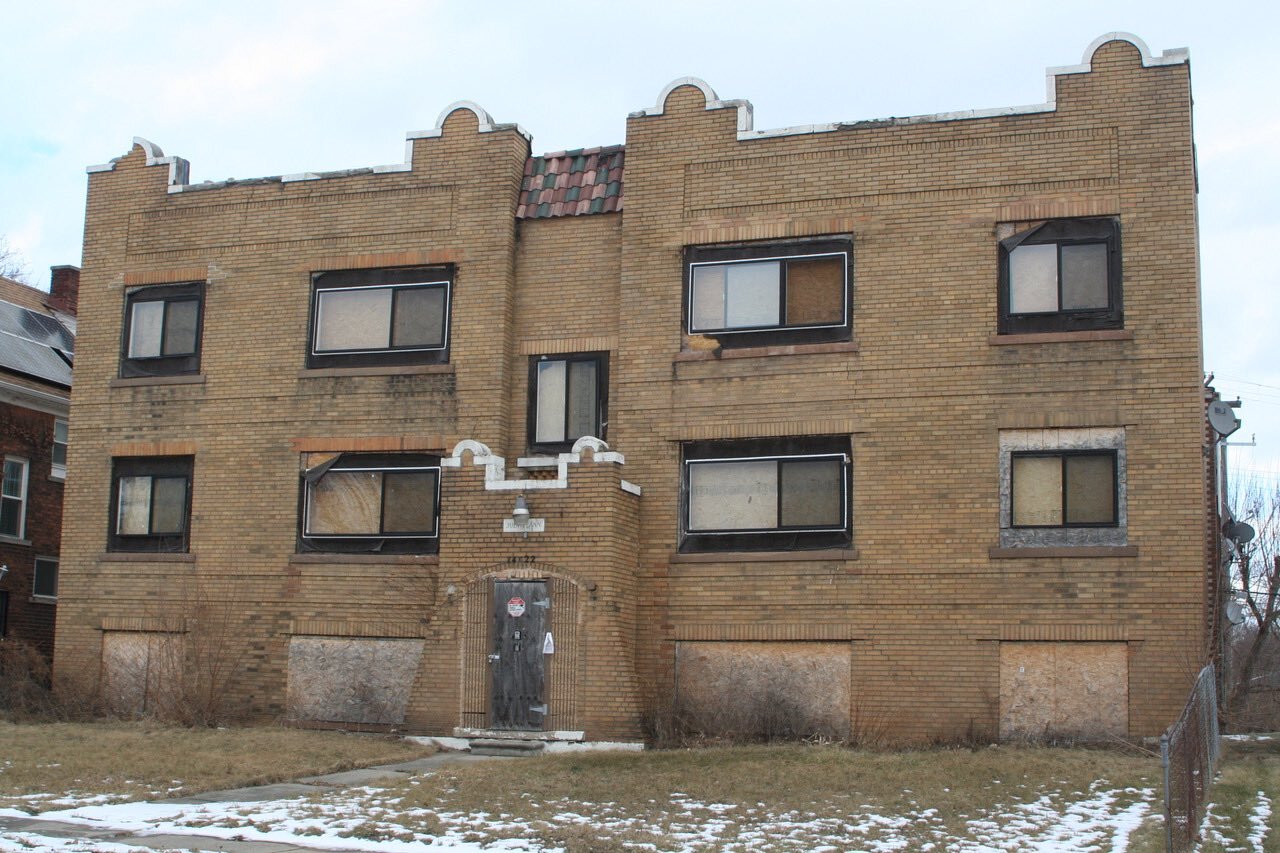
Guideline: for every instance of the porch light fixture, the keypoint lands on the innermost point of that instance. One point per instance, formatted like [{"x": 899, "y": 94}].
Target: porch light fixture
[{"x": 521, "y": 512}]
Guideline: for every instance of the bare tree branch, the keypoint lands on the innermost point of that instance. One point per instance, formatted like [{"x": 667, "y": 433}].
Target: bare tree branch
[{"x": 12, "y": 264}]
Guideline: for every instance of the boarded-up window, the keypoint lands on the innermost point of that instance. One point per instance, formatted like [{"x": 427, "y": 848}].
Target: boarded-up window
[
  {"x": 764, "y": 690},
  {"x": 1073, "y": 489},
  {"x": 371, "y": 496},
  {"x": 1064, "y": 690},
  {"x": 369, "y": 319},
  {"x": 142, "y": 672},
  {"x": 1061, "y": 275},
  {"x": 347, "y": 680},
  {"x": 786, "y": 292}
]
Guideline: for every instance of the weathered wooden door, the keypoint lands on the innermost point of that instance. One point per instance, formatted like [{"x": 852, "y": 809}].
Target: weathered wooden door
[{"x": 520, "y": 619}]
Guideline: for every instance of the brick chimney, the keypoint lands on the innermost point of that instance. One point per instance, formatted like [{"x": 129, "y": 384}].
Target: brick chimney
[{"x": 64, "y": 288}]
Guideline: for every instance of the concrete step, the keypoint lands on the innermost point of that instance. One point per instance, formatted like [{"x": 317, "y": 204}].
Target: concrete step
[{"x": 505, "y": 746}]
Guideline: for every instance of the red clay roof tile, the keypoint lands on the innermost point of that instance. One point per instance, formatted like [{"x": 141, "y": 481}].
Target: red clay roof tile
[{"x": 572, "y": 183}]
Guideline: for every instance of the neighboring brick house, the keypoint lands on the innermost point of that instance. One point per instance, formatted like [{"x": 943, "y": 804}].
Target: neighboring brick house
[
  {"x": 903, "y": 424},
  {"x": 37, "y": 342}
]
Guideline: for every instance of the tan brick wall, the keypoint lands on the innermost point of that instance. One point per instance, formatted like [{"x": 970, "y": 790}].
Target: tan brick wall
[{"x": 923, "y": 390}]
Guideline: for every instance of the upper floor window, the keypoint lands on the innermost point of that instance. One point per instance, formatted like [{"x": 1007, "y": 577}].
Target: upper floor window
[
  {"x": 766, "y": 494},
  {"x": 13, "y": 498},
  {"x": 58, "y": 456},
  {"x": 150, "y": 503},
  {"x": 775, "y": 293},
  {"x": 162, "y": 328},
  {"x": 567, "y": 399},
  {"x": 380, "y": 317},
  {"x": 1063, "y": 275},
  {"x": 378, "y": 502}
]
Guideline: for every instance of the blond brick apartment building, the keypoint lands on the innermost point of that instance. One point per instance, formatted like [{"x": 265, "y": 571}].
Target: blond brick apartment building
[{"x": 890, "y": 425}]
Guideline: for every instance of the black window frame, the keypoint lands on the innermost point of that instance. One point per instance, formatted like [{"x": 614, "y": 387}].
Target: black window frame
[
  {"x": 1063, "y": 455},
  {"x": 601, "y": 360},
  {"x": 782, "y": 333},
  {"x": 180, "y": 364},
  {"x": 394, "y": 278},
  {"x": 1065, "y": 232},
  {"x": 377, "y": 543},
  {"x": 156, "y": 467},
  {"x": 771, "y": 539},
  {"x": 35, "y": 578}
]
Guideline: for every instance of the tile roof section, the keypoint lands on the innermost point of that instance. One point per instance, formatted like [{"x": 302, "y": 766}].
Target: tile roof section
[{"x": 572, "y": 183}]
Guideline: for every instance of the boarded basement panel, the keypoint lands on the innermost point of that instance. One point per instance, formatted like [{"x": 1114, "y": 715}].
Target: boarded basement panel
[
  {"x": 1064, "y": 690},
  {"x": 344, "y": 680},
  {"x": 765, "y": 689},
  {"x": 142, "y": 672}
]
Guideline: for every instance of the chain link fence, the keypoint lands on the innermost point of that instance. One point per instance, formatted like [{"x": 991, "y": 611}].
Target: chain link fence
[{"x": 1189, "y": 752}]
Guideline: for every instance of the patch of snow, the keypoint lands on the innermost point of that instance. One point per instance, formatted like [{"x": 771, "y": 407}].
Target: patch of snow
[{"x": 1258, "y": 819}]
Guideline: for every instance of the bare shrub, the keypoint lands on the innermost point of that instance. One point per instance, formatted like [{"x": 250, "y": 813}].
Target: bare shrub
[{"x": 24, "y": 681}]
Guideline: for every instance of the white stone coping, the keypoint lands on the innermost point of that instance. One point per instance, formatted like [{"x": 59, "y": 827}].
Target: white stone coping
[
  {"x": 495, "y": 478},
  {"x": 1175, "y": 56}
]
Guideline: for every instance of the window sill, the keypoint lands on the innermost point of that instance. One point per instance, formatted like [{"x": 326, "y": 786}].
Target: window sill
[
  {"x": 146, "y": 557},
  {"x": 382, "y": 370},
  {"x": 136, "y": 381},
  {"x": 825, "y": 556},
  {"x": 14, "y": 540},
  {"x": 365, "y": 559},
  {"x": 1060, "y": 337},
  {"x": 761, "y": 352},
  {"x": 1064, "y": 551},
  {"x": 43, "y": 599}
]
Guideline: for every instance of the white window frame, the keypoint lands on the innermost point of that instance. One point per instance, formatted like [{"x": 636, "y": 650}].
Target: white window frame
[
  {"x": 35, "y": 575},
  {"x": 58, "y": 471},
  {"x": 782, "y": 326},
  {"x": 444, "y": 284},
  {"x": 22, "y": 499},
  {"x": 844, "y": 496}
]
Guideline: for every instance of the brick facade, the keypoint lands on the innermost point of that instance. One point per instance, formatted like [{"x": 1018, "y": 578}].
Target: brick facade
[
  {"x": 926, "y": 598},
  {"x": 31, "y": 402}
]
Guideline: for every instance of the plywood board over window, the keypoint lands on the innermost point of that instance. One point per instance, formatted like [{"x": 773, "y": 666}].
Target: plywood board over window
[
  {"x": 1064, "y": 690},
  {"x": 765, "y": 690},
  {"x": 350, "y": 680}
]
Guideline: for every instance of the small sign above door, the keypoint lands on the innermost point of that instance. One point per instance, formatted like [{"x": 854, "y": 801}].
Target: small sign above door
[{"x": 515, "y": 606}]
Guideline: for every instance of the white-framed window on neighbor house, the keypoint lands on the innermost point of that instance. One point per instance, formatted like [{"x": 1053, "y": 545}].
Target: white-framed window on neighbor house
[
  {"x": 44, "y": 581},
  {"x": 370, "y": 502},
  {"x": 58, "y": 455},
  {"x": 766, "y": 494},
  {"x": 1063, "y": 487},
  {"x": 380, "y": 317},
  {"x": 13, "y": 497},
  {"x": 770, "y": 293}
]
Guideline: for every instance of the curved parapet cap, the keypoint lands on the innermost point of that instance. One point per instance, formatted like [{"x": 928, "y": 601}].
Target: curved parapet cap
[
  {"x": 179, "y": 169},
  {"x": 478, "y": 449},
  {"x": 1174, "y": 56},
  {"x": 486, "y": 122},
  {"x": 744, "y": 108}
]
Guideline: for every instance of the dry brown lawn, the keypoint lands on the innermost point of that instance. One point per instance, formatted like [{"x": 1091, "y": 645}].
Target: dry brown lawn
[{"x": 41, "y": 764}]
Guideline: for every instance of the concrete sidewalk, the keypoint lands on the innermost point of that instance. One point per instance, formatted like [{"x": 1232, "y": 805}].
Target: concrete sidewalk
[{"x": 383, "y": 774}]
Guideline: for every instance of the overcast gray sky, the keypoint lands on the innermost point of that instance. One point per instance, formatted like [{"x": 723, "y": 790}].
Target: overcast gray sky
[{"x": 245, "y": 89}]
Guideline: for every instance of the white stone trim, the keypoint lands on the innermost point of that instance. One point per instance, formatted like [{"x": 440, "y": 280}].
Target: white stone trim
[
  {"x": 1175, "y": 56},
  {"x": 630, "y": 488},
  {"x": 179, "y": 169},
  {"x": 495, "y": 479}
]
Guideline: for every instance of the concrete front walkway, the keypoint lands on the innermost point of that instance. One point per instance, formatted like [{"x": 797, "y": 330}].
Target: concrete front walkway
[{"x": 384, "y": 774}]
